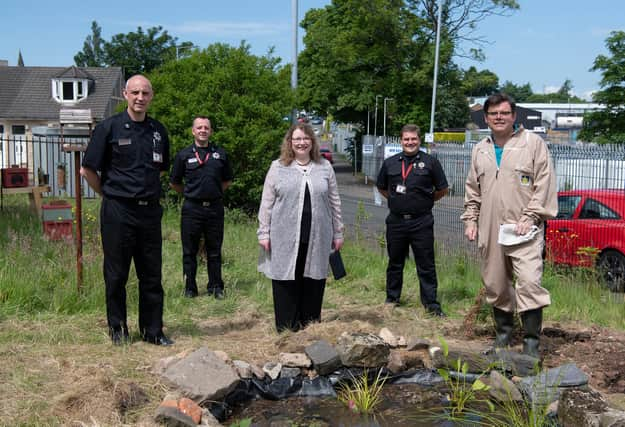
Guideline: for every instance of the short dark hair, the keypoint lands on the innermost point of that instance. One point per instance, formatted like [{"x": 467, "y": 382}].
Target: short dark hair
[
  {"x": 410, "y": 128},
  {"x": 498, "y": 98}
]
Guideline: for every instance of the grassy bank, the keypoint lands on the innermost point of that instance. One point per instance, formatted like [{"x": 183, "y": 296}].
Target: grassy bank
[{"x": 59, "y": 366}]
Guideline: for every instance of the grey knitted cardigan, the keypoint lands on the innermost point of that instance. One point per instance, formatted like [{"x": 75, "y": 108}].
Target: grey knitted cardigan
[{"x": 280, "y": 217}]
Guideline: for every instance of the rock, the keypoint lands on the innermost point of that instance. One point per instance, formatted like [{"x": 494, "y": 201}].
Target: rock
[
  {"x": 208, "y": 419},
  {"x": 362, "y": 350},
  {"x": 243, "y": 368},
  {"x": 297, "y": 360},
  {"x": 417, "y": 344},
  {"x": 272, "y": 369},
  {"x": 501, "y": 388},
  {"x": 401, "y": 341},
  {"x": 395, "y": 362},
  {"x": 514, "y": 363},
  {"x": 388, "y": 337},
  {"x": 613, "y": 418},
  {"x": 257, "y": 371},
  {"x": 223, "y": 356},
  {"x": 288, "y": 372},
  {"x": 581, "y": 408},
  {"x": 202, "y": 376},
  {"x": 324, "y": 357},
  {"x": 190, "y": 408},
  {"x": 171, "y": 416},
  {"x": 405, "y": 360},
  {"x": 476, "y": 362}
]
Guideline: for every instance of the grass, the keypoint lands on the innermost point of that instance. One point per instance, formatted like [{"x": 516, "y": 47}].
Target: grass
[
  {"x": 60, "y": 369},
  {"x": 360, "y": 395}
]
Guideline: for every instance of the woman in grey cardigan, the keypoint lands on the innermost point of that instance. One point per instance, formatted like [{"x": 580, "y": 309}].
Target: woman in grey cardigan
[{"x": 299, "y": 223}]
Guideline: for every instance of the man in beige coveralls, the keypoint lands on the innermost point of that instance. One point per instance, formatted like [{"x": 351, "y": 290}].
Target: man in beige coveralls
[{"x": 511, "y": 181}]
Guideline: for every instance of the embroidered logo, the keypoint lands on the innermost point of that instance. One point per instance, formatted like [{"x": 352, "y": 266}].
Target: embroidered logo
[
  {"x": 526, "y": 180},
  {"x": 216, "y": 155},
  {"x": 156, "y": 136},
  {"x": 421, "y": 165}
]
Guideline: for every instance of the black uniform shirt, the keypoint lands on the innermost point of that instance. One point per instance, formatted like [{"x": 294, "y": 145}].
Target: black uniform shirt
[
  {"x": 203, "y": 170},
  {"x": 130, "y": 156},
  {"x": 425, "y": 177}
]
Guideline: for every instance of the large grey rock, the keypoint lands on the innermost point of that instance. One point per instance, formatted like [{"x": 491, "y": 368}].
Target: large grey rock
[
  {"x": 294, "y": 360},
  {"x": 516, "y": 364},
  {"x": 362, "y": 350},
  {"x": 477, "y": 363},
  {"x": 501, "y": 388},
  {"x": 202, "y": 376},
  {"x": 581, "y": 408},
  {"x": 324, "y": 357},
  {"x": 547, "y": 386}
]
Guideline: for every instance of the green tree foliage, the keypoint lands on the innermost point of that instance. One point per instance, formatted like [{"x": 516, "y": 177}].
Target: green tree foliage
[
  {"x": 520, "y": 93},
  {"x": 92, "y": 53},
  {"x": 246, "y": 98},
  {"x": 608, "y": 126},
  {"x": 20, "y": 60},
  {"x": 479, "y": 83},
  {"x": 136, "y": 52},
  {"x": 562, "y": 95}
]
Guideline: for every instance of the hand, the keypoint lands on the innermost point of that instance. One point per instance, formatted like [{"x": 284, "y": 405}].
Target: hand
[
  {"x": 523, "y": 227},
  {"x": 337, "y": 244},
  {"x": 470, "y": 232},
  {"x": 265, "y": 244}
]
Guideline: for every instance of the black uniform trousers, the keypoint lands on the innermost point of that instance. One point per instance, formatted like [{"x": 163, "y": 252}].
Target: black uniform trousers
[
  {"x": 131, "y": 230},
  {"x": 199, "y": 221},
  {"x": 298, "y": 302},
  {"x": 401, "y": 234}
]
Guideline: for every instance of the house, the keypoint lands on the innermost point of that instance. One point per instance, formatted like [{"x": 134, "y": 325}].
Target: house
[{"x": 32, "y": 97}]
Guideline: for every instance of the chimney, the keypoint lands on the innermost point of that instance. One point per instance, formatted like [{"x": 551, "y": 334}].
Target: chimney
[{"x": 4, "y": 62}]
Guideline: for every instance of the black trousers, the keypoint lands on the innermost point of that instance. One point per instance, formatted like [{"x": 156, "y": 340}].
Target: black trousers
[
  {"x": 132, "y": 232},
  {"x": 199, "y": 221},
  {"x": 298, "y": 302},
  {"x": 418, "y": 234}
]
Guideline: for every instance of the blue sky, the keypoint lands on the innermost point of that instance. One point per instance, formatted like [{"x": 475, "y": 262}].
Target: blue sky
[{"x": 544, "y": 43}]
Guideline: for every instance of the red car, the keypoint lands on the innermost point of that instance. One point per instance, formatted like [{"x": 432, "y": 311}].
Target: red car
[
  {"x": 325, "y": 152},
  {"x": 590, "y": 231}
]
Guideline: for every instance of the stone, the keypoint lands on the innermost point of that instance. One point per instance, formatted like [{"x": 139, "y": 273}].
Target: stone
[
  {"x": 243, "y": 368},
  {"x": 272, "y": 369},
  {"x": 362, "y": 350},
  {"x": 208, "y": 419},
  {"x": 514, "y": 363},
  {"x": 388, "y": 337},
  {"x": 324, "y": 357},
  {"x": 501, "y": 388},
  {"x": 289, "y": 372},
  {"x": 223, "y": 356},
  {"x": 395, "y": 362},
  {"x": 190, "y": 408},
  {"x": 401, "y": 341},
  {"x": 477, "y": 363},
  {"x": 202, "y": 376},
  {"x": 417, "y": 344},
  {"x": 296, "y": 360},
  {"x": 257, "y": 371},
  {"x": 581, "y": 408},
  {"x": 173, "y": 417}
]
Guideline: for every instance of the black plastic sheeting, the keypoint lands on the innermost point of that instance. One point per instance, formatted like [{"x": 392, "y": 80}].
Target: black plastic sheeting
[{"x": 283, "y": 388}]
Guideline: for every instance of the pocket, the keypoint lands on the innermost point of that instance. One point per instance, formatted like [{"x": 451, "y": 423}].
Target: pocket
[
  {"x": 525, "y": 175},
  {"x": 123, "y": 153}
]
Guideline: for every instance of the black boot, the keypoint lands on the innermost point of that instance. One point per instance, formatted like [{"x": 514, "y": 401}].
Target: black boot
[
  {"x": 504, "y": 323},
  {"x": 532, "y": 324},
  {"x": 190, "y": 289}
]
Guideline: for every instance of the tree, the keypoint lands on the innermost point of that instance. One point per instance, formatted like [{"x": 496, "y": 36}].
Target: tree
[
  {"x": 479, "y": 83},
  {"x": 92, "y": 54},
  {"x": 520, "y": 93},
  {"x": 561, "y": 95},
  {"x": 460, "y": 19},
  {"x": 246, "y": 98},
  {"x": 136, "y": 52},
  {"x": 608, "y": 126}
]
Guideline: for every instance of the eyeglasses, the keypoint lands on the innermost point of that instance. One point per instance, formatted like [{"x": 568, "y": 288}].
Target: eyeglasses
[
  {"x": 499, "y": 113},
  {"x": 305, "y": 139}
]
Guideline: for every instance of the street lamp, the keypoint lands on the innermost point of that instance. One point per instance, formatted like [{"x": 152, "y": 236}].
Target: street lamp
[
  {"x": 385, "y": 99},
  {"x": 182, "y": 47},
  {"x": 438, "y": 38},
  {"x": 375, "y": 120},
  {"x": 294, "y": 68}
]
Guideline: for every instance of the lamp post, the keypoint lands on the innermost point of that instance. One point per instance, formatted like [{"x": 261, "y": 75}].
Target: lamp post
[
  {"x": 438, "y": 38},
  {"x": 385, "y": 99},
  {"x": 294, "y": 68},
  {"x": 375, "y": 119}
]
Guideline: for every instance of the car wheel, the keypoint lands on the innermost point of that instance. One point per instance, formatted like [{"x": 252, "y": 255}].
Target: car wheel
[{"x": 611, "y": 266}]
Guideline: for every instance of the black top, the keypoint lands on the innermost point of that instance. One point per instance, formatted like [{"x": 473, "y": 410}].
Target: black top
[
  {"x": 130, "y": 156},
  {"x": 203, "y": 169},
  {"x": 425, "y": 177}
]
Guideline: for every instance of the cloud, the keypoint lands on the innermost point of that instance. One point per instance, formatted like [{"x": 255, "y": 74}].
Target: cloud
[
  {"x": 551, "y": 89},
  {"x": 601, "y": 32},
  {"x": 229, "y": 29}
]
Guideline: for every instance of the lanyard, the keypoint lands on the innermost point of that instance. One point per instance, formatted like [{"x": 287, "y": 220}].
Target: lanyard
[
  {"x": 197, "y": 156},
  {"x": 404, "y": 172}
]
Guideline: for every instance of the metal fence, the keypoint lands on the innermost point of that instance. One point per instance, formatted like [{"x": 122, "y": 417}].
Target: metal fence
[{"x": 45, "y": 160}]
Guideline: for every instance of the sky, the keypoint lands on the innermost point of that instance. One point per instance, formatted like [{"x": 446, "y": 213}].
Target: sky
[{"x": 544, "y": 43}]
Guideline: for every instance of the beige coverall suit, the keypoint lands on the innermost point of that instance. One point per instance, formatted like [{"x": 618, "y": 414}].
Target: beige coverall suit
[{"x": 523, "y": 186}]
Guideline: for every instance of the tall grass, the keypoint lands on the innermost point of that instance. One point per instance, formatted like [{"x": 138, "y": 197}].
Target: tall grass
[{"x": 38, "y": 276}]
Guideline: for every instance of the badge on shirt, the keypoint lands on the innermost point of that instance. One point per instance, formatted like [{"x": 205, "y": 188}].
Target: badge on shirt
[
  {"x": 216, "y": 155},
  {"x": 157, "y": 157},
  {"x": 156, "y": 136},
  {"x": 401, "y": 189},
  {"x": 192, "y": 160},
  {"x": 421, "y": 165},
  {"x": 124, "y": 141},
  {"x": 525, "y": 180}
]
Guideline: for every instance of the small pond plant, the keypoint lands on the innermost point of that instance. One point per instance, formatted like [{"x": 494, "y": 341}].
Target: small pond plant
[{"x": 359, "y": 395}]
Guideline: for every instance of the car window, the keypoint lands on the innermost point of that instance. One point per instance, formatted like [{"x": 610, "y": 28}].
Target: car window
[
  {"x": 567, "y": 205},
  {"x": 593, "y": 209}
]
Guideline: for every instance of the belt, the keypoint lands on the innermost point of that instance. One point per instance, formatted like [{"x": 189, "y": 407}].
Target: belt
[
  {"x": 205, "y": 203},
  {"x": 138, "y": 202},
  {"x": 408, "y": 216}
]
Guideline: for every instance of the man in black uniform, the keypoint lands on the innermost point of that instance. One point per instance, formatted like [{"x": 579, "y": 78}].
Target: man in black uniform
[
  {"x": 412, "y": 181},
  {"x": 130, "y": 151},
  {"x": 207, "y": 173}
]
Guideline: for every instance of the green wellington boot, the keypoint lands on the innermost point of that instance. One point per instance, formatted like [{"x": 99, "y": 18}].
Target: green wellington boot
[
  {"x": 532, "y": 324},
  {"x": 504, "y": 323}
]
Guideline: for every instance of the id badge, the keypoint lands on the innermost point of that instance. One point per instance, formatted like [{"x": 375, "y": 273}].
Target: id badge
[
  {"x": 157, "y": 157},
  {"x": 401, "y": 189}
]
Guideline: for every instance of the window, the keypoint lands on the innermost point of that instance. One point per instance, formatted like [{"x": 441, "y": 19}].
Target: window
[
  {"x": 69, "y": 90},
  {"x": 594, "y": 210},
  {"x": 566, "y": 206},
  {"x": 18, "y": 130}
]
